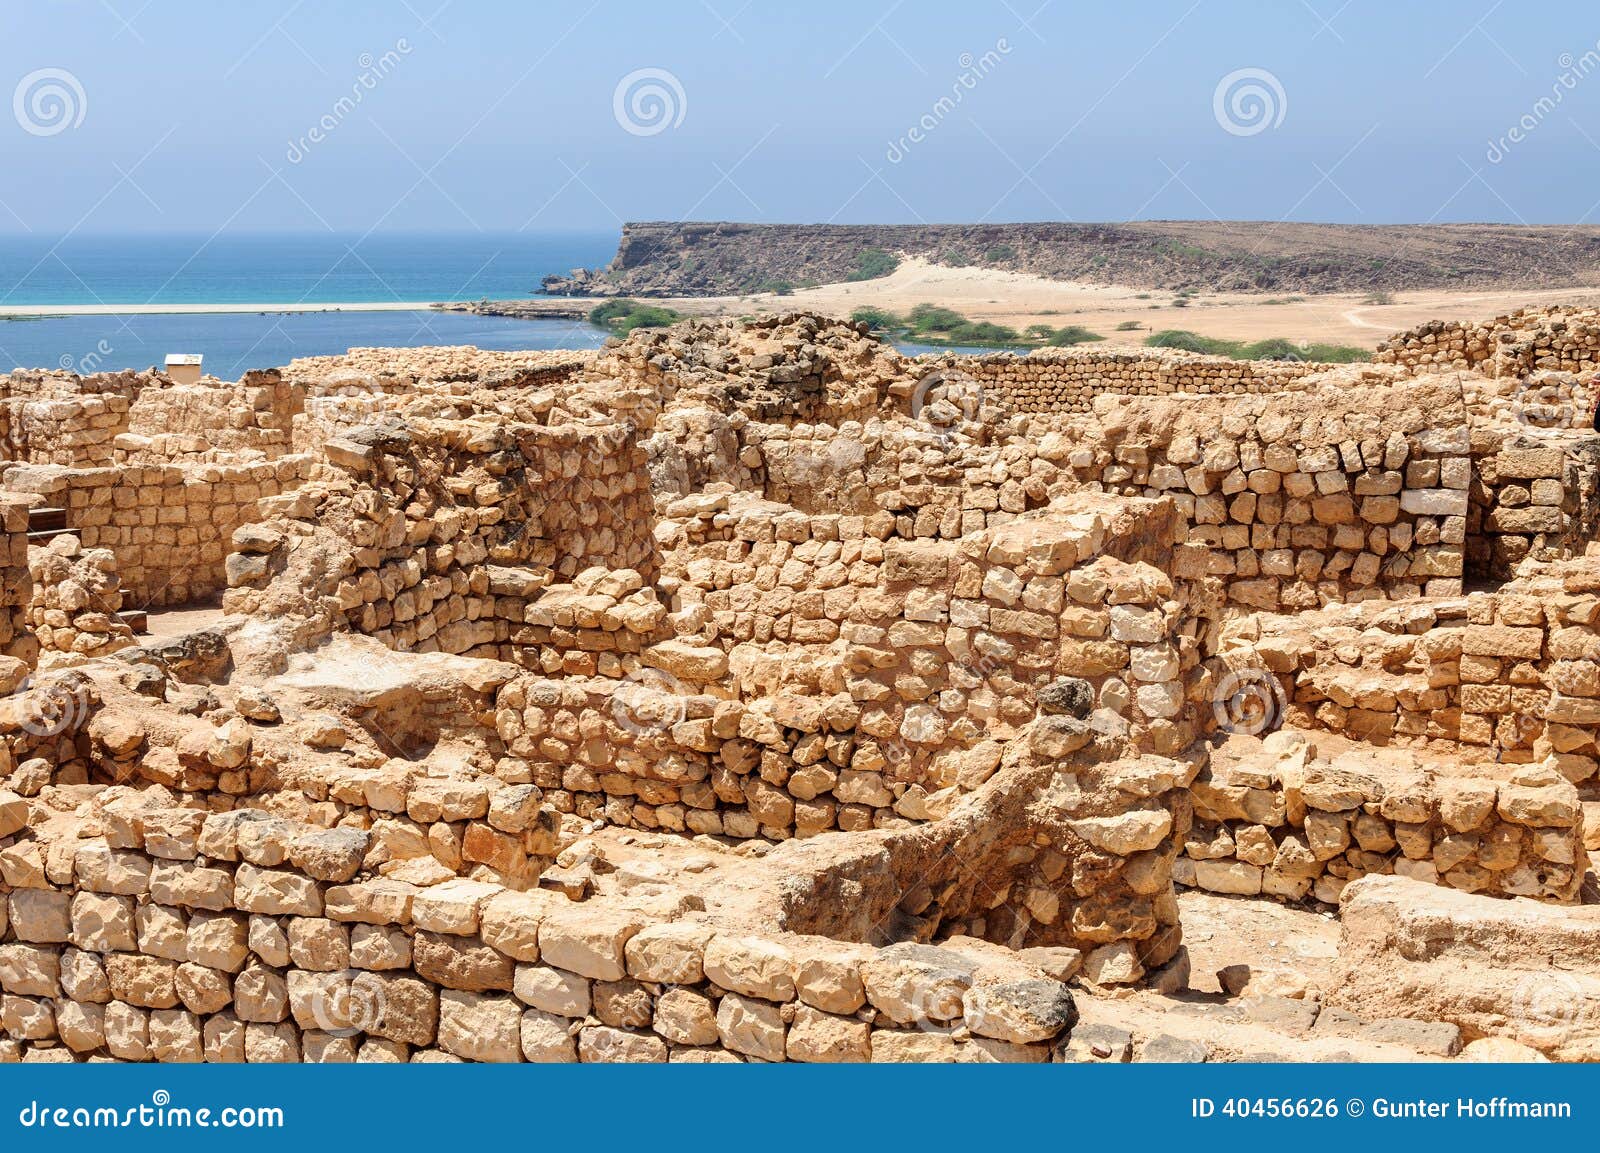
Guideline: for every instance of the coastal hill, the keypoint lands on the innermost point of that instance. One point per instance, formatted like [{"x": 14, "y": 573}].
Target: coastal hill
[{"x": 720, "y": 259}]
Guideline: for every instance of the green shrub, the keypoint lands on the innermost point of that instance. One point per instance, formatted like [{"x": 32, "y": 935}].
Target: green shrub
[
  {"x": 1274, "y": 349},
  {"x": 1000, "y": 254},
  {"x": 622, "y": 316},
  {"x": 1334, "y": 353},
  {"x": 1072, "y": 334},
  {"x": 873, "y": 263},
  {"x": 877, "y": 319},
  {"x": 983, "y": 332},
  {"x": 1186, "y": 341},
  {"x": 927, "y": 318}
]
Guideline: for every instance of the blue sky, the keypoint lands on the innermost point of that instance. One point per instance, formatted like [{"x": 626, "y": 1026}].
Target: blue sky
[{"x": 189, "y": 115}]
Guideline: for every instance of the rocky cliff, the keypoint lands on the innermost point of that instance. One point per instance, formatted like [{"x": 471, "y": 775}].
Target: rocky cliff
[{"x": 709, "y": 259}]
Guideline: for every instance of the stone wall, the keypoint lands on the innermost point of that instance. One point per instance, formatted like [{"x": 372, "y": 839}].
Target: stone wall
[
  {"x": 823, "y": 678},
  {"x": 16, "y": 581},
  {"x": 429, "y": 531},
  {"x": 90, "y": 421},
  {"x": 169, "y": 525},
  {"x": 71, "y": 430},
  {"x": 1306, "y": 498},
  {"x": 1534, "y": 495},
  {"x": 1295, "y": 818},
  {"x": 254, "y": 415},
  {"x": 1505, "y": 676},
  {"x": 1559, "y": 339},
  {"x": 77, "y": 595},
  {"x": 174, "y": 937},
  {"x": 1352, "y": 489},
  {"x": 1067, "y": 381}
]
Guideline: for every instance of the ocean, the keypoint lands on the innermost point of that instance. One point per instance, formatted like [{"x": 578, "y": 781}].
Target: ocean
[
  {"x": 280, "y": 269},
  {"x": 289, "y": 268},
  {"x": 263, "y": 268}
]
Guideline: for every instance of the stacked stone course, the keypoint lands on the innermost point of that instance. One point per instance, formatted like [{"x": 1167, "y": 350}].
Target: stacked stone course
[
  {"x": 175, "y": 939},
  {"x": 747, "y": 691}
]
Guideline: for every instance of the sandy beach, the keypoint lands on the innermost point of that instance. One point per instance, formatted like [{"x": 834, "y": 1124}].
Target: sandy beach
[
  {"x": 1122, "y": 314},
  {"x": 1018, "y": 300},
  {"x": 1117, "y": 313},
  {"x": 196, "y": 309}
]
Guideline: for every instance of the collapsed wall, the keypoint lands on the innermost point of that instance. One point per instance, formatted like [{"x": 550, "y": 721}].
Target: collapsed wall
[
  {"x": 1563, "y": 339},
  {"x": 747, "y": 691},
  {"x": 444, "y": 529}
]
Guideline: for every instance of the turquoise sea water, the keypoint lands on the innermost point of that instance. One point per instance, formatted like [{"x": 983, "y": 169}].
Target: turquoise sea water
[
  {"x": 233, "y": 344},
  {"x": 276, "y": 268},
  {"x": 288, "y": 268},
  {"x": 262, "y": 268}
]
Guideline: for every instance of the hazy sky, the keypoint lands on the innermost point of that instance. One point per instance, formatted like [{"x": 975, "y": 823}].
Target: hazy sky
[{"x": 494, "y": 115}]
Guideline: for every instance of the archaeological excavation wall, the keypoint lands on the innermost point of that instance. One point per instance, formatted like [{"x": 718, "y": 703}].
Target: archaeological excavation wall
[
  {"x": 16, "y": 582},
  {"x": 168, "y": 525},
  {"x": 1500, "y": 677},
  {"x": 174, "y": 936},
  {"x": 254, "y": 415},
  {"x": 439, "y": 520},
  {"x": 1303, "y": 817},
  {"x": 1051, "y": 381},
  {"x": 740, "y": 692},
  {"x": 881, "y": 681},
  {"x": 1342, "y": 493},
  {"x": 1515, "y": 346},
  {"x": 1533, "y": 495},
  {"x": 1357, "y": 488}
]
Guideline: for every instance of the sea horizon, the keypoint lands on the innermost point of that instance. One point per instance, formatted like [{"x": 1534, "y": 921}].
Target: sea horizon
[
  {"x": 287, "y": 267},
  {"x": 119, "y": 273}
]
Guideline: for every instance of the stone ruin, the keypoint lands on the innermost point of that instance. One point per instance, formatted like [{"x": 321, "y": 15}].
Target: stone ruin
[{"x": 749, "y": 691}]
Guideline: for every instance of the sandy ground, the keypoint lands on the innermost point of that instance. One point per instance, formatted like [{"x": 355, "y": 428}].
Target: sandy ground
[
  {"x": 194, "y": 309},
  {"x": 177, "y": 622},
  {"x": 1018, "y": 300},
  {"x": 1221, "y": 931}
]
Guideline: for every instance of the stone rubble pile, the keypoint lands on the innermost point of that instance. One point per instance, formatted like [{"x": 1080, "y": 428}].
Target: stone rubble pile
[{"x": 745, "y": 690}]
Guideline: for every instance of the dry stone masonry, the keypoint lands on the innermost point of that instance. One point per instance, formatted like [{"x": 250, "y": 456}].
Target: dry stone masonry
[{"x": 747, "y": 691}]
